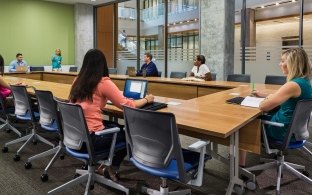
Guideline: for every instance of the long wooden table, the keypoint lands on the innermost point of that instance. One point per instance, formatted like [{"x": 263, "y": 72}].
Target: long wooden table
[
  {"x": 165, "y": 87},
  {"x": 207, "y": 117}
]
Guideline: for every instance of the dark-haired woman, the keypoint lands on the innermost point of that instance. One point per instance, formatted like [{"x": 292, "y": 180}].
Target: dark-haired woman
[
  {"x": 5, "y": 90},
  {"x": 91, "y": 89}
]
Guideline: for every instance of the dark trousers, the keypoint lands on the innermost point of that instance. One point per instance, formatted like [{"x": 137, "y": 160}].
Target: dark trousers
[{"x": 102, "y": 143}]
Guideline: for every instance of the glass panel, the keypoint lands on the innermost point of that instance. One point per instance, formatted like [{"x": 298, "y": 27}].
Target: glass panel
[
  {"x": 152, "y": 33},
  {"x": 127, "y": 39},
  {"x": 183, "y": 25}
]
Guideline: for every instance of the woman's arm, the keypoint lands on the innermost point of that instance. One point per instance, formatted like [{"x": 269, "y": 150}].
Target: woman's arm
[
  {"x": 141, "y": 102},
  {"x": 4, "y": 84},
  {"x": 288, "y": 90}
]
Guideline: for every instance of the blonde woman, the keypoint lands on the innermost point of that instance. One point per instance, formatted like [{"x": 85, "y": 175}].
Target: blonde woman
[
  {"x": 57, "y": 60},
  {"x": 296, "y": 65}
]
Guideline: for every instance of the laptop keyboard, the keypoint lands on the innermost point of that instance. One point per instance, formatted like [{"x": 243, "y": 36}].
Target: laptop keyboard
[{"x": 154, "y": 106}]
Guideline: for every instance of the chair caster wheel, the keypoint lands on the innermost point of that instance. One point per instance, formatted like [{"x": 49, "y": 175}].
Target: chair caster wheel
[
  {"x": 17, "y": 158},
  {"x": 239, "y": 190},
  {"x": 251, "y": 185},
  {"x": 44, "y": 177},
  {"x": 28, "y": 165},
  {"x": 9, "y": 131},
  {"x": 306, "y": 173},
  {"x": 62, "y": 157},
  {"x": 91, "y": 187},
  {"x": 84, "y": 167},
  {"x": 35, "y": 142},
  {"x": 5, "y": 149}
]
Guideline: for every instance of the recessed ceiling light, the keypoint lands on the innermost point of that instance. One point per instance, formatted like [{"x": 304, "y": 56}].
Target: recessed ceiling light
[
  {"x": 93, "y": 0},
  {"x": 262, "y": 6},
  {"x": 277, "y": 3},
  {"x": 195, "y": 19},
  {"x": 188, "y": 21},
  {"x": 293, "y": 0},
  {"x": 174, "y": 23},
  {"x": 181, "y": 22}
]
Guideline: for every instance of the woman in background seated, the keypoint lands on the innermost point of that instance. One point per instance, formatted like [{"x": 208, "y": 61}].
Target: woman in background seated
[
  {"x": 200, "y": 69},
  {"x": 4, "y": 87},
  {"x": 57, "y": 60},
  {"x": 296, "y": 65},
  {"x": 92, "y": 89}
]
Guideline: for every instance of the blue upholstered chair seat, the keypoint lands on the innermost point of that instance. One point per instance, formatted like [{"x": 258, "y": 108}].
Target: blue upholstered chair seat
[
  {"x": 27, "y": 116},
  {"x": 85, "y": 155},
  {"x": 52, "y": 127},
  {"x": 191, "y": 161},
  {"x": 273, "y": 143}
]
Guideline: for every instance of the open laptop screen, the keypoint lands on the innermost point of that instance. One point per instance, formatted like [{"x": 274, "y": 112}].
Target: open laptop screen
[{"x": 135, "y": 89}]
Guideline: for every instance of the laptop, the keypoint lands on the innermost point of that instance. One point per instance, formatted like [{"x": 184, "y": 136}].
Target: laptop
[
  {"x": 131, "y": 71},
  {"x": 21, "y": 68},
  {"x": 137, "y": 89}
]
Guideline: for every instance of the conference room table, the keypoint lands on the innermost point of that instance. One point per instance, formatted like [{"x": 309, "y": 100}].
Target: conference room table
[{"x": 207, "y": 117}]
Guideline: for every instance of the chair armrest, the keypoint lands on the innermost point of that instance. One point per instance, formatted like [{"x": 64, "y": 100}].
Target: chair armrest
[
  {"x": 108, "y": 131},
  {"x": 197, "y": 145},
  {"x": 273, "y": 123}
]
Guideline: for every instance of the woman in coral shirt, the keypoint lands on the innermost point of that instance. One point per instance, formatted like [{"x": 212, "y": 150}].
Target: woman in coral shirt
[{"x": 91, "y": 90}]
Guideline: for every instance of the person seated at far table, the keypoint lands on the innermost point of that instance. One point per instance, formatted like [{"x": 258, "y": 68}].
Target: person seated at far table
[
  {"x": 200, "y": 69},
  {"x": 17, "y": 62},
  {"x": 148, "y": 66}
]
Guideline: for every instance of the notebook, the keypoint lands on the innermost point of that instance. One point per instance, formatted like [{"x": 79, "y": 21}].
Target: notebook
[
  {"x": 21, "y": 68},
  {"x": 137, "y": 89},
  {"x": 247, "y": 101},
  {"x": 131, "y": 71}
]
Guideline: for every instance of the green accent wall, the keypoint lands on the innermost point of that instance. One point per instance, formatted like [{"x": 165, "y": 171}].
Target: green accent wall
[{"x": 36, "y": 28}]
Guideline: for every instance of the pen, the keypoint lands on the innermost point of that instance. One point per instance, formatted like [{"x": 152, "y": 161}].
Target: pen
[{"x": 252, "y": 88}]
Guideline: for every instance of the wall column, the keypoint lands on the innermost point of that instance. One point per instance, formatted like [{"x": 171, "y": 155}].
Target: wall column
[
  {"x": 217, "y": 35},
  {"x": 84, "y": 35}
]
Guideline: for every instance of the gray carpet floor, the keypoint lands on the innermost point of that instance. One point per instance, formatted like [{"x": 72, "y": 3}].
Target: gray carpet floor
[{"x": 15, "y": 179}]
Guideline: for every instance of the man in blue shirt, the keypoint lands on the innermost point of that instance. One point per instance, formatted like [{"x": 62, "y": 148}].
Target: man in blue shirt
[
  {"x": 18, "y": 62},
  {"x": 149, "y": 66}
]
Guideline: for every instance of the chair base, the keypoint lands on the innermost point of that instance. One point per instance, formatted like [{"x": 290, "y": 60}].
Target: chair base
[
  {"x": 309, "y": 144},
  {"x": 90, "y": 177},
  {"x": 30, "y": 137},
  {"x": 164, "y": 191},
  {"x": 280, "y": 164},
  {"x": 7, "y": 126}
]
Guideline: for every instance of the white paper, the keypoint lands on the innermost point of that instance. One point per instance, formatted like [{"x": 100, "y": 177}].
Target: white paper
[
  {"x": 173, "y": 103},
  {"x": 135, "y": 87},
  {"x": 252, "y": 101},
  {"x": 235, "y": 94}
]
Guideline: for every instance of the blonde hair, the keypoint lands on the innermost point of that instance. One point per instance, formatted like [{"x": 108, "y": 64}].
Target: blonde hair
[
  {"x": 59, "y": 51},
  {"x": 298, "y": 63}
]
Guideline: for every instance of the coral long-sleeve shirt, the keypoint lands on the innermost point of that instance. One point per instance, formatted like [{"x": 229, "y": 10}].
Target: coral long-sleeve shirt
[{"x": 105, "y": 90}]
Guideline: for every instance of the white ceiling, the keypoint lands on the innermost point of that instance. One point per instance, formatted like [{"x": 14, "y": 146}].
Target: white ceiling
[{"x": 97, "y": 2}]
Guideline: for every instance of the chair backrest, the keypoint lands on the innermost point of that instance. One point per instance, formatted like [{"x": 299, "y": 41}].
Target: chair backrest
[
  {"x": 22, "y": 101},
  {"x": 275, "y": 80},
  {"x": 245, "y": 78},
  {"x": 47, "y": 108},
  {"x": 299, "y": 123},
  {"x": 213, "y": 76},
  {"x": 75, "y": 130},
  {"x": 36, "y": 68},
  {"x": 112, "y": 70},
  {"x": 153, "y": 138},
  {"x": 73, "y": 69},
  {"x": 159, "y": 73},
  {"x": 178, "y": 75}
]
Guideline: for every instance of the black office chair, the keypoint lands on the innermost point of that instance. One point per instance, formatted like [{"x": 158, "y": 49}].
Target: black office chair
[
  {"x": 49, "y": 121},
  {"x": 213, "y": 76},
  {"x": 298, "y": 128},
  {"x": 24, "y": 111},
  {"x": 155, "y": 144},
  {"x": 73, "y": 69},
  {"x": 275, "y": 80},
  {"x": 36, "y": 68},
  {"x": 112, "y": 70},
  {"x": 244, "y": 78},
  {"x": 159, "y": 73},
  {"x": 76, "y": 135},
  {"x": 178, "y": 75}
]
